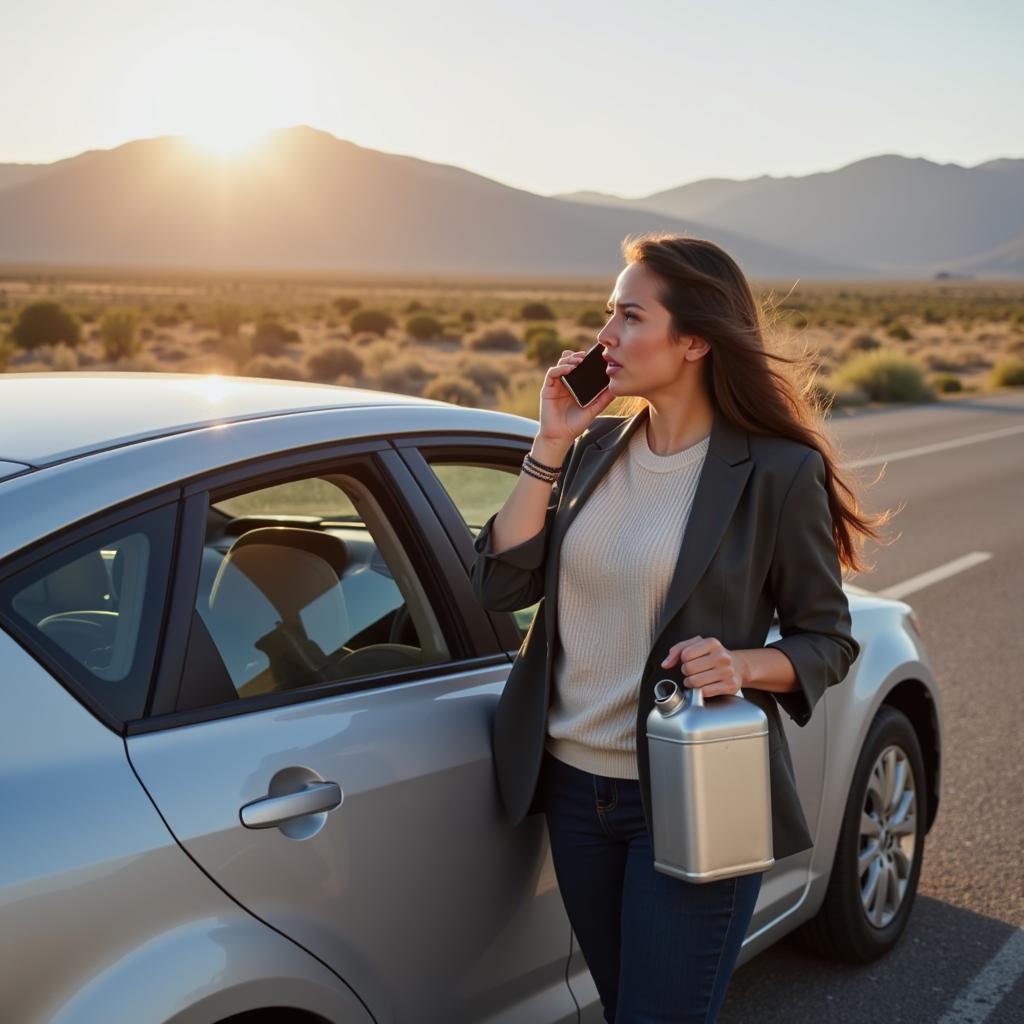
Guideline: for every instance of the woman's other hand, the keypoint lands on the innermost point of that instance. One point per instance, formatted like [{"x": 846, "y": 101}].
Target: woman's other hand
[{"x": 705, "y": 663}]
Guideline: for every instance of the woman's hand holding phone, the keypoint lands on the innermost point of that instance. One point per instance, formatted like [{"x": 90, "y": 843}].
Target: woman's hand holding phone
[{"x": 562, "y": 419}]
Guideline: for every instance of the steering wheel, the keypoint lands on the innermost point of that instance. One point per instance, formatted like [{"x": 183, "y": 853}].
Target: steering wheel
[
  {"x": 84, "y": 635},
  {"x": 403, "y": 630}
]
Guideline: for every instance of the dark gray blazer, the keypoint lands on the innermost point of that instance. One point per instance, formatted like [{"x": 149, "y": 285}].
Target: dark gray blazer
[{"x": 759, "y": 538}]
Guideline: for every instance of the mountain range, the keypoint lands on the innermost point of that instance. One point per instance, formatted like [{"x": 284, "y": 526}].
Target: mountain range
[{"x": 309, "y": 201}]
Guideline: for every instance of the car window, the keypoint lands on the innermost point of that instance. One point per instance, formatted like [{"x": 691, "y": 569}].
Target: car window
[
  {"x": 94, "y": 608},
  {"x": 303, "y": 583},
  {"x": 478, "y": 490}
]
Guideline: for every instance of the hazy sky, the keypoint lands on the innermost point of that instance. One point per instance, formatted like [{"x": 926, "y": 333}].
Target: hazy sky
[{"x": 627, "y": 97}]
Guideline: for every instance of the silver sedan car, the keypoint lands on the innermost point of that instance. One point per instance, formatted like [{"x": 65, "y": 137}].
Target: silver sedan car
[{"x": 245, "y": 741}]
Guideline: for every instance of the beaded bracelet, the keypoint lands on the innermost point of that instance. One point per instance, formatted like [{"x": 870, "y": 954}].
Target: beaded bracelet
[
  {"x": 551, "y": 471},
  {"x": 529, "y": 470},
  {"x": 540, "y": 465}
]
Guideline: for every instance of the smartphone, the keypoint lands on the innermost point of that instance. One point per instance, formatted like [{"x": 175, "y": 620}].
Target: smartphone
[{"x": 586, "y": 381}]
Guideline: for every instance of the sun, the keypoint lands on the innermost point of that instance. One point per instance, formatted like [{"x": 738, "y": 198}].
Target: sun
[
  {"x": 224, "y": 89},
  {"x": 229, "y": 138}
]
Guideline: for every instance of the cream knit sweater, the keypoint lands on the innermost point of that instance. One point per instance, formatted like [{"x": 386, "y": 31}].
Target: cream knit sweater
[{"x": 617, "y": 559}]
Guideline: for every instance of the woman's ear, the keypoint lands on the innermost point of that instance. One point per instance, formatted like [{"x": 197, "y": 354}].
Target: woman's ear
[{"x": 698, "y": 347}]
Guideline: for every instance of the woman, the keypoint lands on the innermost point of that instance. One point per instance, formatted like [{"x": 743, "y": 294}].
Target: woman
[{"x": 669, "y": 537}]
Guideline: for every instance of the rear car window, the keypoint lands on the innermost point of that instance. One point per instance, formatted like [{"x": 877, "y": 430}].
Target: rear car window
[{"x": 92, "y": 611}]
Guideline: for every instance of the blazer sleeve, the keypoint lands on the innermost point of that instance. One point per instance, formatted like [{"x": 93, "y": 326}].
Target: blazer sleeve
[
  {"x": 806, "y": 581},
  {"x": 514, "y": 578}
]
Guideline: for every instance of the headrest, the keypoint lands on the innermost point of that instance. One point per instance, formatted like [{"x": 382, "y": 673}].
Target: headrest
[{"x": 290, "y": 567}]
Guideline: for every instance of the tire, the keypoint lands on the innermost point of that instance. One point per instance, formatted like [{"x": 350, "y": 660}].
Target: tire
[{"x": 848, "y": 927}]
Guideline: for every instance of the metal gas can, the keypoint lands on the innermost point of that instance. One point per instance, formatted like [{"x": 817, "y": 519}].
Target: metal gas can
[{"x": 710, "y": 784}]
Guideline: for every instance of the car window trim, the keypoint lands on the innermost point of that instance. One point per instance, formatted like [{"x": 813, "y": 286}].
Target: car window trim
[
  {"x": 319, "y": 691},
  {"x": 417, "y": 452},
  {"x": 479, "y": 636}
]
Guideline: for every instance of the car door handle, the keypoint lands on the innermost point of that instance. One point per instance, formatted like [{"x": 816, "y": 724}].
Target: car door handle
[{"x": 271, "y": 811}]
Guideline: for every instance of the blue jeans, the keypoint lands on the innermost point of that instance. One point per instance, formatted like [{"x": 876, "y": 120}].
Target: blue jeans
[{"x": 660, "y": 949}]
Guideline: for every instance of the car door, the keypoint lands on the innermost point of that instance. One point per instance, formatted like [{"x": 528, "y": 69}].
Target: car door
[
  {"x": 319, "y": 741},
  {"x": 467, "y": 478}
]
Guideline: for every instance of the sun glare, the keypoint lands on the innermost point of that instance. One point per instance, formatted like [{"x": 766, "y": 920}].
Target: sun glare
[
  {"x": 228, "y": 139},
  {"x": 225, "y": 89}
]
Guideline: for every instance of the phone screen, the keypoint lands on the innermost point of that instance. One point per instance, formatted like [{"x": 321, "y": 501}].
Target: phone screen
[{"x": 590, "y": 378}]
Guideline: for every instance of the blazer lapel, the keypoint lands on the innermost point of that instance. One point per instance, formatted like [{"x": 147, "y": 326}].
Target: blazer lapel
[{"x": 722, "y": 479}]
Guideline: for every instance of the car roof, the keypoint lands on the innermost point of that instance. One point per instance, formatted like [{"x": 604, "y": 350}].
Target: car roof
[{"x": 49, "y": 417}]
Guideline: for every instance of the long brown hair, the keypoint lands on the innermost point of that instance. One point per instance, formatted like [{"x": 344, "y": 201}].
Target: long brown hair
[{"x": 708, "y": 295}]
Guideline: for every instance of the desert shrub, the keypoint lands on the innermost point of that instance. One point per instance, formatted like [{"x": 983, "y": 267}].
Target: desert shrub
[
  {"x": 591, "y": 318},
  {"x": 64, "y": 357},
  {"x": 405, "y": 375},
  {"x": 946, "y": 382},
  {"x": 275, "y": 367},
  {"x": 378, "y": 354},
  {"x": 886, "y": 377},
  {"x": 468, "y": 316},
  {"x": 414, "y": 307},
  {"x": 536, "y": 311},
  {"x": 537, "y": 330},
  {"x": 118, "y": 333},
  {"x": 227, "y": 318},
  {"x": 45, "y": 323},
  {"x": 423, "y": 328},
  {"x": 482, "y": 372},
  {"x": 543, "y": 346},
  {"x": 272, "y": 337},
  {"x": 1008, "y": 372},
  {"x": 496, "y": 340},
  {"x": 372, "y": 321},
  {"x": 166, "y": 320},
  {"x": 345, "y": 304},
  {"x": 900, "y": 332},
  {"x": 861, "y": 342},
  {"x": 326, "y": 362},
  {"x": 453, "y": 389}
]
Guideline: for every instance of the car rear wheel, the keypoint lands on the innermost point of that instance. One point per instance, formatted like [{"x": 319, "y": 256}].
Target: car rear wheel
[{"x": 881, "y": 845}]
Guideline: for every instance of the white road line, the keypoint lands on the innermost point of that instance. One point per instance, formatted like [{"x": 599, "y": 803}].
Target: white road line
[
  {"x": 993, "y": 981},
  {"x": 940, "y": 572},
  {"x": 939, "y": 446}
]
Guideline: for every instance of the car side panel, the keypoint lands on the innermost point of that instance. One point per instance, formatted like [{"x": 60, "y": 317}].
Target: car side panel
[{"x": 102, "y": 916}]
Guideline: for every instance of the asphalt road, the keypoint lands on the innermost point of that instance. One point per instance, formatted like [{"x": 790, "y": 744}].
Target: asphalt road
[{"x": 961, "y": 958}]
